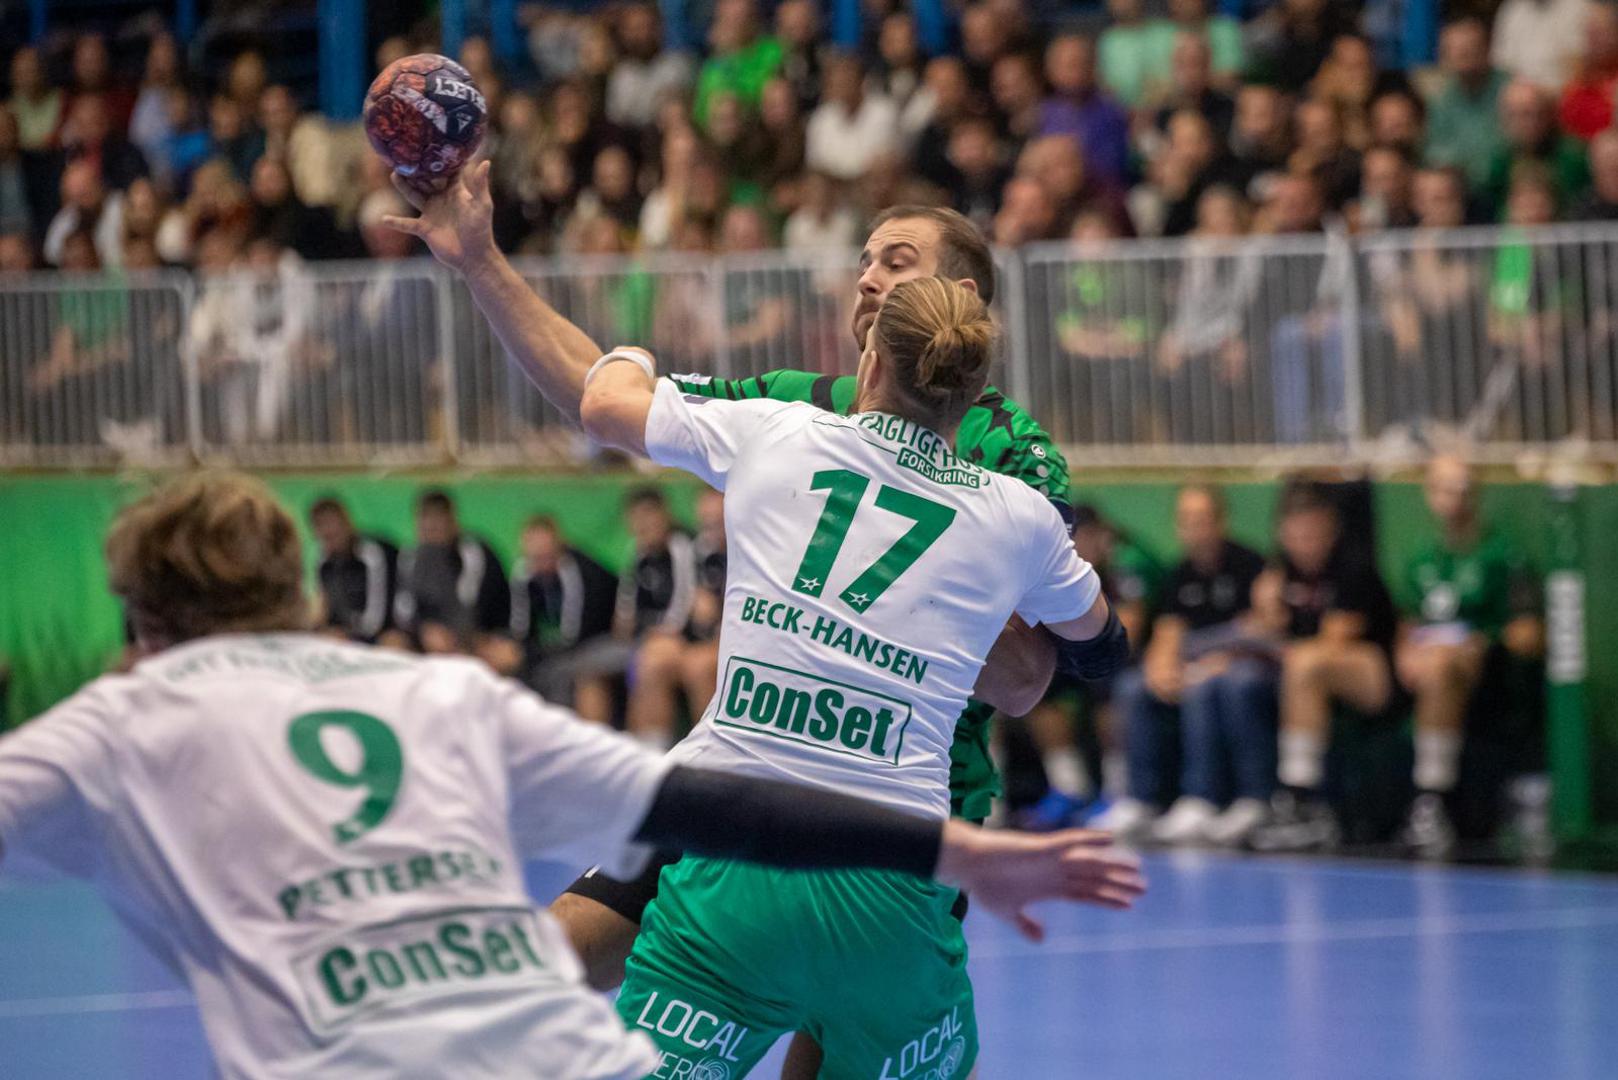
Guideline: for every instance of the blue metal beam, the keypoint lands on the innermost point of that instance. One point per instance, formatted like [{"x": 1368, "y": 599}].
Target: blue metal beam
[
  {"x": 932, "y": 25},
  {"x": 342, "y": 57},
  {"x": 1420, "y": 33},
  {"x": 845, "y": 24},
  {"x": 504, "y": 37},
  {"x": 185, "y": 20},
  {"x": 678, "y": 35},
  {"x": 452, "y": 26}
]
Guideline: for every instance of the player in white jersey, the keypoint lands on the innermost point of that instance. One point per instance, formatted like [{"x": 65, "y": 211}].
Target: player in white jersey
[
  {"x": 870, "y": 571},
  {"x": 324, "y": 838}
]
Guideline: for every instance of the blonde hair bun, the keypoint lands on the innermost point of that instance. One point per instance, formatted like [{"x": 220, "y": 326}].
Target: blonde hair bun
[{"x": 939, "y": 339}]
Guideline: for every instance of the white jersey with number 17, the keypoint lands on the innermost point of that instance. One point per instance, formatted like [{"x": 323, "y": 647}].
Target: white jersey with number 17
[{"x": 870, "y": 571}]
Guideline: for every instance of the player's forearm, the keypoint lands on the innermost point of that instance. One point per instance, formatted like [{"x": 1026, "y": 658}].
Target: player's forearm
[
  {"x": 551, "y": 351},
  {"x": 788, "y": 825}
]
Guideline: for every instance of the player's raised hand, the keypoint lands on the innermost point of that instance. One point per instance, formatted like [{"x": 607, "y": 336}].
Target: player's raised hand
[
  {"x": 1004, "y": 872},
  {"x": 457, "y": 216}
]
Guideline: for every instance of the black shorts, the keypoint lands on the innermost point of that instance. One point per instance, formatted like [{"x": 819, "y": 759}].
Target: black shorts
[{"x": 629, "y": 898}]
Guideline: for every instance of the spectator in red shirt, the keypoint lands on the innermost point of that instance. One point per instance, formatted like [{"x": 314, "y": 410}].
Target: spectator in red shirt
[
  {"x": 92, "y": 74},
  {"x": 88, "y": 135},
  {"x": 1587, "y": 101}
]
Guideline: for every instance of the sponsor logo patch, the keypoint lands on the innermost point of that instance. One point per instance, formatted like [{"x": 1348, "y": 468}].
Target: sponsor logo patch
[{"x": 771, "y": 700}]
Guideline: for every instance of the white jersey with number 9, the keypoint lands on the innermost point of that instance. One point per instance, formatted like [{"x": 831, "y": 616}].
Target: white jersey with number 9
[{"x": 324, "y": 839}]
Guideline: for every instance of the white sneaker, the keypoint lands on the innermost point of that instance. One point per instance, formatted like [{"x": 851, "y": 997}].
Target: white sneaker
[
  {"x": 1127, "y": 819},
  {"x": 1185, "y": 821},
  {"x": 1232, "y": 826}
]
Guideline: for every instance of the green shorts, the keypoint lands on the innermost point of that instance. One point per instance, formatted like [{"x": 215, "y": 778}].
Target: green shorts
[{"x": 872, "y": 964}]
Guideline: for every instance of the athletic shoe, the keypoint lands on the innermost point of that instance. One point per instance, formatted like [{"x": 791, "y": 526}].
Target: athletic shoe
[
  {"x": 1236, "y": 822},
  {"x": 1299, "y": 821},
  {"x": 1097, "y": 807},
  {"x": 1127, "y": 819},
  {"x": 1055, "y": 811},
  {"x": 1185, "y": 821},
  {"x": 1428, "y": 832}
]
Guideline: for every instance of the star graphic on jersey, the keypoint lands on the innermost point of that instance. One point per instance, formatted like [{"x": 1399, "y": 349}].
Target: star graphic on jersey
[
  {"x": 859, "y": 600},
  {"x": 809, "y": 583}
]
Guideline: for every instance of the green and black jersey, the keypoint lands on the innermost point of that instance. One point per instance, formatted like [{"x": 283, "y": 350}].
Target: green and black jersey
[{"x": 997, "y": 434}]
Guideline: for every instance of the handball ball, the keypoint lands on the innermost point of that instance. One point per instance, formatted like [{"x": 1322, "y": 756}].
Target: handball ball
[{"x": 425, "y": 118}]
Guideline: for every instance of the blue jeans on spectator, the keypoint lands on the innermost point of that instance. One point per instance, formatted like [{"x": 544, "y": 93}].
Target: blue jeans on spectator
[
  {"x": 1219, "y": 740},
  {"x": 1306, "y": 360},
  {"x": 1229, "y": 724},
  {"x": 1151, "y": 739}
]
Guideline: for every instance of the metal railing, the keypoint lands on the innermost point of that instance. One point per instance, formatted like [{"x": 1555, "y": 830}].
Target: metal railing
[
  {"x": 312, "y": 364},
  {"x": 1292, "y": 349},
  {"x": 91, "y": 370}
]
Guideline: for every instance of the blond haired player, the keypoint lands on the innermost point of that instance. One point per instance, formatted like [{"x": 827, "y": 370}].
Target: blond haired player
[{"x": 859, "y": 608}]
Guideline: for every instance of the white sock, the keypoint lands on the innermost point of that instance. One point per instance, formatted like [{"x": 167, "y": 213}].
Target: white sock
[
  {"x": 1115, "y": 773},
  {"x": 1303, "y": 759},
  {"x": 1065, "y": 772},
  {"x": 1438, "y": 759}
]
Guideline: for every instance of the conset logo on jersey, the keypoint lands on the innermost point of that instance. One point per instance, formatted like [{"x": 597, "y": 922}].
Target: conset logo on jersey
[
  {"x": 773, "y": 700},
  {"x": 406, "y": 960}
]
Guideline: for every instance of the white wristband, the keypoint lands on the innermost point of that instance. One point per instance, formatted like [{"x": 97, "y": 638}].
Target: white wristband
[{"x": 631, "y": 356}]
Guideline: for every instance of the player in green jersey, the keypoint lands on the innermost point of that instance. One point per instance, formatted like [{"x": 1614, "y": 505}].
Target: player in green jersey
[
  {"x": 1465, "y": 598},
  {"x": 905, "y": 243}
]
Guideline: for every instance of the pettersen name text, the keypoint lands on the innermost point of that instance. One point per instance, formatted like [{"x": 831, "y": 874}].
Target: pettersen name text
[{"x": 789, "y": 619}]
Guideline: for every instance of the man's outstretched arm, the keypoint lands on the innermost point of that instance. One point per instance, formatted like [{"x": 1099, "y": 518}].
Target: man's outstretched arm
[{"x": 457, "y": 224}]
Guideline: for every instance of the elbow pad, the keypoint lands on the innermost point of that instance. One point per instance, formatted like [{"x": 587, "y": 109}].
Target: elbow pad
[{"x": 1097, "y": 657}]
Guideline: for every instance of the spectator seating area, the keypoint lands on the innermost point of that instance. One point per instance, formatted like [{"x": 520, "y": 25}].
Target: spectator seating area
[
  {"x": 606, "y": 141},
  {"x": 1289, "y": 699},
  {"x": 233, "y": 292}
]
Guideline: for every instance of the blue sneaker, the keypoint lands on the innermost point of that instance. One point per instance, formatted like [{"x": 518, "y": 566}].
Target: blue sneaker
[
  {"x": 1095, "y": 808},
  {"x": 1054, "y": 811}
]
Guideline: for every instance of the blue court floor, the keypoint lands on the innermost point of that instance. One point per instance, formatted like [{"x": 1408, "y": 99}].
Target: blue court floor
[{"x": 1232, "y": 968}]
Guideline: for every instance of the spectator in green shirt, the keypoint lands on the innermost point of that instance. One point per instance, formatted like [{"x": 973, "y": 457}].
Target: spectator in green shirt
[
  {"x": 1127, "y": 54},
  {"x": 1528, "y": 120},
  {"x": 1465, "y": 595},
  {"x": 742, "y": 61},
  {"x": 81, "y": 380},
  {"x": 1106, "y": 315},
  {"x": 1463, "y": 128},
  {"x": 1535, "y": 315},
  {"x": 1222, "y": 33},
  {"x": 1137, "y": 56}
]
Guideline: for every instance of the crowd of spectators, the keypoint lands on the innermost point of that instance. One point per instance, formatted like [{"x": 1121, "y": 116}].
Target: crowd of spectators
[
  {"x": 605, "y": 141},
  {"x": 1220, "y": 734},
  {"x": 627, "y": 649},
  {"x": 1158, "y": 122}
]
